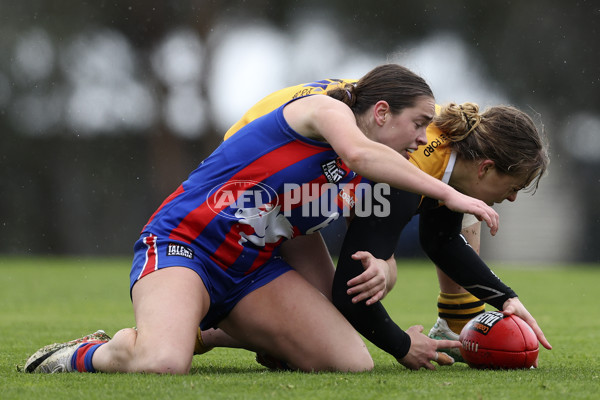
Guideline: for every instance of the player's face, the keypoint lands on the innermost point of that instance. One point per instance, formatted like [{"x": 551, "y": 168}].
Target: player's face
[
  {"x": 495, "y": 187},
  {"x": 405, "y": 131}
]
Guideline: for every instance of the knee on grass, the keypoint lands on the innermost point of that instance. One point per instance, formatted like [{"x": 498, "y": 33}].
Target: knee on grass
[
  {"x": 359, "y": 361},
  {"x": 149, "y": 359},
  {"x": 167, "y": 365}
]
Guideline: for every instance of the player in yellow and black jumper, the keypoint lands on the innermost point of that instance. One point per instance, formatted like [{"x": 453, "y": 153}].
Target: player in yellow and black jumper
[{"x": 490, "y": 156}]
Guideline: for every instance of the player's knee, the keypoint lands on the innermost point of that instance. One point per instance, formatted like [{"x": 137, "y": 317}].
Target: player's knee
[
  {"x": 360, "y": 362},
  {"x": 355, "y": 361},
  {"x": 163, "y": 360},
  {"x": 366, "y": 363},
  {"x": 140, "y": 357},
  {"x": 168, "y": 364}
]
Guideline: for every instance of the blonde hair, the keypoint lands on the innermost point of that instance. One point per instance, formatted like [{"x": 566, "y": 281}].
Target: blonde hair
[{"x": 503, "y": 134}]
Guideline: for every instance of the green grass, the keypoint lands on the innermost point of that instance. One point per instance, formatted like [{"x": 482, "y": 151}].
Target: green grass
[{"x": 44, "y": 300}]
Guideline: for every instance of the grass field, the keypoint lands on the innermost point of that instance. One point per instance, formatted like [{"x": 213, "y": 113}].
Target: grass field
[{"x": 44, "y": 300}]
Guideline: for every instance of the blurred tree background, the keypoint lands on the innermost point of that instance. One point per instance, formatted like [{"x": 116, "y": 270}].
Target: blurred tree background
[{"x": 106, "y": 106}]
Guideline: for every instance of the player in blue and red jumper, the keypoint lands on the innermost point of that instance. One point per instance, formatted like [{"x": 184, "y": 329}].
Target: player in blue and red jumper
[{"x": 212, "y": 253}]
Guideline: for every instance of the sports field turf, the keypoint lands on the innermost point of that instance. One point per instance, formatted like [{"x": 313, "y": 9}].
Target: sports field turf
[{"x": 44, "y": 300}]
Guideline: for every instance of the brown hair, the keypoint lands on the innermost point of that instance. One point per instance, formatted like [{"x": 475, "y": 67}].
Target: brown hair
[
  {"x": 397, "y": 85},
  {"x": 503, "y": 134}
]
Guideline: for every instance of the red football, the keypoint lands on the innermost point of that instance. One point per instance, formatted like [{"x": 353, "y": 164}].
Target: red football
[{"x": 495, "y": 341}]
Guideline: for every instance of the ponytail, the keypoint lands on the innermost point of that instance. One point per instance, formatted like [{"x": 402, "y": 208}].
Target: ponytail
[
  {"x": 345, "y": 94},
  {"x": 458, "y": 121}
]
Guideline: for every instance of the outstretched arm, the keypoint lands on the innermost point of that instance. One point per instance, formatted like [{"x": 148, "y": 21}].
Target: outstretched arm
[{"x": 441, "y": 239}]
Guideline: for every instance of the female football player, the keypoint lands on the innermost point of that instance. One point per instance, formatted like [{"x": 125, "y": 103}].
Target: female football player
[
  {"x": 210, "y": 255},
  {"x": 491, "y": 156}
]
